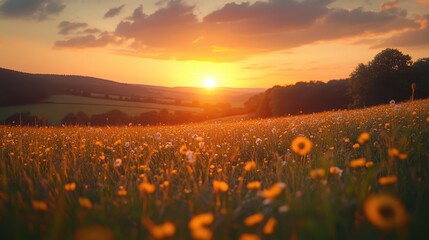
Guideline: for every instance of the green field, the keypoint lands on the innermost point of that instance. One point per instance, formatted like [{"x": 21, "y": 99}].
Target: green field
[
  {"x": 58, "y": 106},
  {"x": 360, "y": 174}
]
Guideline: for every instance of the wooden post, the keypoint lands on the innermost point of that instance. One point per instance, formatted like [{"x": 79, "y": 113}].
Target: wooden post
[{"x": 413, "y": 88}]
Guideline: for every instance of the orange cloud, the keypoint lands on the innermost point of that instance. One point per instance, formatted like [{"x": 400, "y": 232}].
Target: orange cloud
[{"x": 238, "y": 31}]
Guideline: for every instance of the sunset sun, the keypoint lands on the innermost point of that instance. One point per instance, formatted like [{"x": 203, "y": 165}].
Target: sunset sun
[{"x": 210, "y": 83}]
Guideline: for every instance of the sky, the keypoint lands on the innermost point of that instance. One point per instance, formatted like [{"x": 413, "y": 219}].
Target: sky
[{"x": 183, "y": 42}]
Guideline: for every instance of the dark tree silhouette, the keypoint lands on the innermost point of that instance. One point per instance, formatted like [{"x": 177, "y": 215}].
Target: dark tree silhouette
[{"x": 384, "y": 78}]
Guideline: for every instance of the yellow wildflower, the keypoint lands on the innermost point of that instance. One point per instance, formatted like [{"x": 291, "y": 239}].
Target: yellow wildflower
[
  {"x": 248, "y": 236},
  {"x": 317, "y": 173},
  {"x": 385, "y": 212},
  {"x": 255, "y": 185},
  {"x": 200, "y": 221},
  {"x": 146, "y": 187},
  {"x": 269, "y": 226},
  {"x": 254, "y": 219},
  {"x": 85, "y": 203},
  {"x": 69, "y": 187},
  {"x": 273, "y": 192},
  {"x": 220, "y": 186},
  {"x": 388, "y": 180},
  {"x": 363, "y": 138},
  {"x": 39, "y": 205},
  {"x": 250, "y": 165},
  {"x": 357, "y": 163},
  {"x": 301, "y": 145}
]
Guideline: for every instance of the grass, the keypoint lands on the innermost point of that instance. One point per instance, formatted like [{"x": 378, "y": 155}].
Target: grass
[
  {"x": 67, "y": 183},
  {"x": 57, "y": 107}
]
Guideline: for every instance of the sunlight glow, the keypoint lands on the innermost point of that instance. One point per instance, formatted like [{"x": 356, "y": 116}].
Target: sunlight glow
[{"x": 210, "y": 82}]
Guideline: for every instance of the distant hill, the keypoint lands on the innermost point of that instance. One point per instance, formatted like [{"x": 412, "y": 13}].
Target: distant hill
[{"x": 17, "y": 88}]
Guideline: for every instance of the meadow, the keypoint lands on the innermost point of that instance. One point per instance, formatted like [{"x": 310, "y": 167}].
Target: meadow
[
  {"x": 357, "y": 174},
  {"x": 56, "y": 107}
]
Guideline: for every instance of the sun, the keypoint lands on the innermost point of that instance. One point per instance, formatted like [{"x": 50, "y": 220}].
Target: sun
[{"x": 210, "y": 82}]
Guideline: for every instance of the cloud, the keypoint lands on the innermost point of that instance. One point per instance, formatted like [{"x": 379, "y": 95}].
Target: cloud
[
  {"x": 113, "y": 12},
  {"x": 389, "y": 5},
  {"x": 87, "y": 41},
  {"x": 67, "y": 27},
  {"x": 423, "y": 2},
  {"x": 240, "y": 30},
  {"x": 35, "y": 9},
  {"x": 414, "y": 37}
]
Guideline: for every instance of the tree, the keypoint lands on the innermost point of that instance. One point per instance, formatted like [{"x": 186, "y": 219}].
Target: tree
[
  {"x": 420, "y": 76},
  {"x": 385, "y": 78}
]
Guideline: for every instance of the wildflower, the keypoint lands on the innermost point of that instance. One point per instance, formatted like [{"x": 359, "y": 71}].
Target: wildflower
[
  {"x": 199, "y": 139},
  {"x": 201, "y": 144},
  {"x": 200, "y": 221},
  {"x": 146, "y": 187},
  {"x": 346, "y": 140},
  {"x": 317, "y": 173},
  {"x": 99, "y": 143},
  {"x": 162, "y": 231},
  {"x": 392, "y": 153},
  {"x": 363, "y": 138},
  {"x": 427, "y": 119},
  {"x": 122, "y": 192},
  {"x": 369, "y": 164},
  {"x": 253, "y": 219},
  {"x": 85, "y": 203},
  {"x": 201, "y": 234},
  {"x": 39, "y": 205},
  {"x": 403, "y": 156},
  {"x": 117, "y": 143},
  {"x": 273, "y": 192},
  {"x": 301, "y": 145},
  {"x": 183, "y": 150},
  {"x": 388, "y": 180},
  {"x": 70, "y": 187},
  {"x": 94, "y": 232},
  {"x": 255, "y": 185},
  {"x": 117, "y": 163},
  {"x": 392, "y": 102},
  {"x": 158, "y": 136},
  {"x": 336, "y": 171},
  {"x": 269, "y": 226},
  {"x": 220, "y": 186},
  {"x": 357, "y": 163},
  {"x": 356, "y": 146},
  {"x": 385, "y": 211},
  {"x": 248, "y": 236},
  {"x": 190, "y": 156},
  {"x": 249, "y": 166},
  {"x": 258, "y": 141}
]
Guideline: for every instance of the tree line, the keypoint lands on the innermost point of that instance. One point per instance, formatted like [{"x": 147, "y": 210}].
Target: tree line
[
  {"x": 391, "y": 75},
  {"x": 119, "y": 118}
]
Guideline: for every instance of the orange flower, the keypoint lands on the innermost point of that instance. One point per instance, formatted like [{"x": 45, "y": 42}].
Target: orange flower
[
  {"x": 248, "y": 236},
  {"x": 162, "y": 231},
  {"x": 220, "y": 186},
  {"x": 70, "y": 187},
  {"x": 335, "y": 171},
  {"x": 201, "y": 220},
  {"x": 388, "y": 180},
  {"x": 369, "y": 164},
  {"x": 39, "y": 205},
  {"x": 317, "y": 173},
  {"x": 255, "y": 185},
  {"x": 273, "y": 192},
  {"x": 249, "y": 166},
  {"x": 385, "y": 212},
  {"x": 301, "y": 145},
  {"x": 357, "y": 163},
  {"x": 363, "y": 138},
  {"x": 146, "y": 187},
  {"x": 253, "y": 219},
  {"x": 202, "y": 234},
  {"x": 269, "y": 226},
  {"x": 85, "y": 203}
]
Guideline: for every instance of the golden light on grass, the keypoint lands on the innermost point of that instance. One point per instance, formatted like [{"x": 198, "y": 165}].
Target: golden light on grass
[
  {"x": 385, "y": 211},
  {"x": 301, "y": 145}
]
